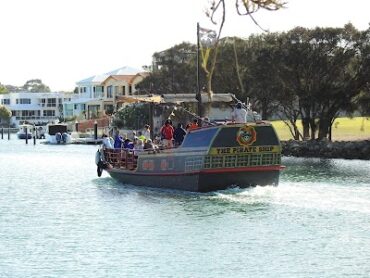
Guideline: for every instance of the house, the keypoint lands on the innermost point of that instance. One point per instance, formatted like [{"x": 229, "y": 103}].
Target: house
[
  {"x": 37, "y": 108},
  {"x": 96, "y": 95}
]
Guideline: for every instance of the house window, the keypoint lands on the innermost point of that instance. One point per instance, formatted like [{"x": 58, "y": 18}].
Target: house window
[
  {"x": 23, "y": 101},
  {"x": 75, "y": 106},
  {"x": 49, "y": 113},
  {"x": 5, "y": 101},
  {"x": 52, "y": 102},
  {"x": 123, "y": 90},
  {"x": 130, "y": 90},
  {"x": 109, "y": 92}
]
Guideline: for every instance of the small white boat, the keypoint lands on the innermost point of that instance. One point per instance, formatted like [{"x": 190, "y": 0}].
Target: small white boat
[
  {"x": 57, "y": 134},
  {"x": 25, "y": 131}
]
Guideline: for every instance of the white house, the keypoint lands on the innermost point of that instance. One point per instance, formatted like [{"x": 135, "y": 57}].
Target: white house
[
  {"x": 37, "y": 108},
  {"x": 97, "y": 94}
]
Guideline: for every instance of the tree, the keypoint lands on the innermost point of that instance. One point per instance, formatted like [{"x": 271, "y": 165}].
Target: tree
[
  {"x": 3, "y": 89},
  {"x": 5, "y": 113},
  {"x": 35, "y": 85},
  {"x": 132, "y": 117},
  {"x": 217, "y": 15},
  {"x": 174, "y": 71}
]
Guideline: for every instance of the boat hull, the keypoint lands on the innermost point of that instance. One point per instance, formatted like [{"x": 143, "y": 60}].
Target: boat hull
[
  {"x": 24, "y": 136},
  {"x": 203, "y": 181}
]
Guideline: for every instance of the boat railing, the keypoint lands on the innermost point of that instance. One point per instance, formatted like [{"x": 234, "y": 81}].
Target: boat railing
[{"x": 127, "y": 158}]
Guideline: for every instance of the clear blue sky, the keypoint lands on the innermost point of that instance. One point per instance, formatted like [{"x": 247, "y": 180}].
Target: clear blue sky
[{"x": 64, "y": 41}]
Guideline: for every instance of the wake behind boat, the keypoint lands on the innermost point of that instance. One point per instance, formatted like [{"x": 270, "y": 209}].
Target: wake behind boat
[{"x": 211, "y": 158}]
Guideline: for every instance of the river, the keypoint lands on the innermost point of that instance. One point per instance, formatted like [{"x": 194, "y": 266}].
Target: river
[{"x": 58, "y": 219}]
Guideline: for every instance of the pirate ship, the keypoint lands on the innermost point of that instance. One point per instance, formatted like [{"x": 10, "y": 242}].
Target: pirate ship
[{"x": 209, "y": 159}]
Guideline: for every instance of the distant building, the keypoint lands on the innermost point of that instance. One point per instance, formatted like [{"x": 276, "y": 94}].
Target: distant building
[
  {"x": 37, "y": 108},
  {"x": 97, "y": 94}
]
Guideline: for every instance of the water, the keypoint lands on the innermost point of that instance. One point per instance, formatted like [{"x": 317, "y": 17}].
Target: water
[{"x": 58, "y": 219}]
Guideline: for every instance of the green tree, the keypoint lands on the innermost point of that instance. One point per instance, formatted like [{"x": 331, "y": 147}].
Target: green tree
[
  {"x": 174, "y": 71},
  {"x": 35, "y": 85},
  {"x": 217, "y": 15},
  {"x": 3, "y": 89},
  {"x": 132, "y": 116},
  {"x": 5, "y": 113}
]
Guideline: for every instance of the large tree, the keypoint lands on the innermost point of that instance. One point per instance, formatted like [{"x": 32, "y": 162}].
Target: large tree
[
  {"x": 35, "y": 85},
  {"x": 174, "y": 71}
]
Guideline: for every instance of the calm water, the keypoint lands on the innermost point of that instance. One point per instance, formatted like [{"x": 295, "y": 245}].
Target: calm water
[{"x": 58, "y": 219}]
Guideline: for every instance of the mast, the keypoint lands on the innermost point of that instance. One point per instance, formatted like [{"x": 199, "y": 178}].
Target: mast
[{"x": 198, "y": 94}]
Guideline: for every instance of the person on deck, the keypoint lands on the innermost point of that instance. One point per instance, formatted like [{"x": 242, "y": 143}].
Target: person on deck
[
  {"x": 179, "y": 135},
  {"x": 146, "y": 132},
  {"x": 239, "y": 115},
  {"x": 118, "y": 140},
  {"x": 167, "y": 134},
  {"x": 127, "y": 144},
  {"x": 106, "y": 142},
  {"x": 193, "y": 125}
]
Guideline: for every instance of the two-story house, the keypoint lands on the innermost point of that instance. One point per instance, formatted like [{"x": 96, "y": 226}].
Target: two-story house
[
  {"x": 97, "y": 94},
  {"x": 37, "y": 108}
]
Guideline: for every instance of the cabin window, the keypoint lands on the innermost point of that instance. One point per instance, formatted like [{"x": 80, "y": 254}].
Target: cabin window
[{"x": 199, "y": 139}]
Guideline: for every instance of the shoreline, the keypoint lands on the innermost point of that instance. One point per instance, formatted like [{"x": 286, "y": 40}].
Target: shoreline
[{"x": 327, "y": 149}]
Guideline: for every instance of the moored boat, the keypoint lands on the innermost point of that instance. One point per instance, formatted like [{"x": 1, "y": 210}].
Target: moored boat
[
  {"x": 209, "y": 159},
  {"x": 25, "y": 131},
  {"x": 57, "y": 134}
]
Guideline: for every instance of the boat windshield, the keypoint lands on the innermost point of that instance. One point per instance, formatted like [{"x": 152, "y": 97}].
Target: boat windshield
[
  {"x": 201, "y": 138},
  {"x": 53, "y": 129}
]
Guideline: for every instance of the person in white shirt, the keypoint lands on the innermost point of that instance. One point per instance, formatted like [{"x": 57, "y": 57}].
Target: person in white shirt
[
  {"x": 146, "y": 132},
  {"x": 239, "y": 114},
  {"x": 107, "y": 142}
]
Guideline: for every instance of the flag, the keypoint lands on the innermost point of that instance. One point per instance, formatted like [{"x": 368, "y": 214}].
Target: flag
[{"x": 207, "y": 39}]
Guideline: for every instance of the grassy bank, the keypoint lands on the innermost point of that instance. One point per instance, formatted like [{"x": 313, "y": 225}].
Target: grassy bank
[{"x": 344, "y": 129}]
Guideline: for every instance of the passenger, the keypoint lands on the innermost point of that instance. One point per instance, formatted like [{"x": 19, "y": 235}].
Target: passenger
[
  {"x": 146, "y": 131},
  {"x": 106, "y": 142},
  {"x": 179, "y": 135},
  {"x": 127, "y": 144},
  {"x": 239, "y": 114},
  {"x": 138, "y": 146},
  {"x": 150, "y": 146},
  {"x": 141, "y": 136},
  {"x": 118, "y": 140},
  {"x": 193, "y": 125},
  {"x": 167, "y": 134}
]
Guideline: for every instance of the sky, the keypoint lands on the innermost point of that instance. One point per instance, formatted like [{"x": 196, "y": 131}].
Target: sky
[{"x": 64, "y": 41}]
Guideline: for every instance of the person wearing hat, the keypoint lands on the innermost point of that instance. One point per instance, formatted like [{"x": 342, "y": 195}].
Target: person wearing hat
[{"x": 239, "y": 115}]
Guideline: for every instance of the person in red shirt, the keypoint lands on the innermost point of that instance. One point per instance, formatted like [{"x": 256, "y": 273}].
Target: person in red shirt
[
  {"x": 193, "y": 125},
  {"x": 167, "y": 131}
]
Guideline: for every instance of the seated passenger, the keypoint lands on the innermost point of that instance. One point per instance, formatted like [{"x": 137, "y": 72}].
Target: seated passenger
[
  {"x": 118, "y": 140},
  {"x": 106, "y": 142},
  {"x": 193, "y": 125},
  {"x": 127, "y": 144},
  {"x": 138, "y": 146}
]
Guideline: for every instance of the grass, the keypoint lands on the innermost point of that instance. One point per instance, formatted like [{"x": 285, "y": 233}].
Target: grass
[{"x": 344, "y": 129}]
